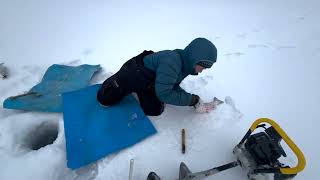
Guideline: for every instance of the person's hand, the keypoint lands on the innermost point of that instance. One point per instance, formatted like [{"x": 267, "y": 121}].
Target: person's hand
[{"x": 202, "y": 107}]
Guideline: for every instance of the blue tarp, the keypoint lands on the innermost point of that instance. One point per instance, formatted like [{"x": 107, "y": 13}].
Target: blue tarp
[
  {"x": 46, "y": 96},
  {"x": 93, "y": 131}
]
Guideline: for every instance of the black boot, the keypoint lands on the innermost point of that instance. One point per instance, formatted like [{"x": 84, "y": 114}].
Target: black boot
[{"x": 153, "y": 176}]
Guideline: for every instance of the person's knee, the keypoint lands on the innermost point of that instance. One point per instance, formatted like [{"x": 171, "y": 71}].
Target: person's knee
[
  {"x": 110, "y": 93},
  {"x": 101, "y": 98}
]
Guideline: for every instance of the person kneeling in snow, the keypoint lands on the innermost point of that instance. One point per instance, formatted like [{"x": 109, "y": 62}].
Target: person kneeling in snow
[{"x": 156, "y": 78}]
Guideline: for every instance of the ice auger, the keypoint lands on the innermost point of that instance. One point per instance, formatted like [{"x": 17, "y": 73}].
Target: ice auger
[{"x": 257, "y": 153}]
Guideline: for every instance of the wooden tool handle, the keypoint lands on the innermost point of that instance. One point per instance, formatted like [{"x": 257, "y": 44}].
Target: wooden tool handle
[{"x": 183, "y": 141}]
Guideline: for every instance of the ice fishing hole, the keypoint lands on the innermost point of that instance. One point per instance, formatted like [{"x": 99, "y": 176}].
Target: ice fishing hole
[{"x": 42, "y": 135}]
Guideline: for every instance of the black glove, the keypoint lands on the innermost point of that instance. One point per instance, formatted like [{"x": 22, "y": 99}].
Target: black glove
[{"x": 194, "y": 100}]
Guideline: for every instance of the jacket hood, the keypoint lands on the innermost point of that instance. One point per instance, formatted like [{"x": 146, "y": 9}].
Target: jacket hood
[{"x": 199, "y": 50}]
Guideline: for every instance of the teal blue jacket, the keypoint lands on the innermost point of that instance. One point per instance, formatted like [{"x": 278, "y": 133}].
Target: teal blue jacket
[{"x": 172, "y": 66}]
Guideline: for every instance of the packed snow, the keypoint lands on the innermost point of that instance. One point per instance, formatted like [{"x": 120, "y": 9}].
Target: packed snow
[{"x": 268, "y": 62}]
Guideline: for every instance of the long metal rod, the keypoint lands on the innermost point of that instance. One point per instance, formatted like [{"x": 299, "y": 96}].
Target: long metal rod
[
  {"x": 203, "y": 174},
  {"x": 131, "y": 169}
]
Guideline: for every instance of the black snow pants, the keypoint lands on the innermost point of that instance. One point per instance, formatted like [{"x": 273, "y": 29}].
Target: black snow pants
[{"x": 132, "y": 77}]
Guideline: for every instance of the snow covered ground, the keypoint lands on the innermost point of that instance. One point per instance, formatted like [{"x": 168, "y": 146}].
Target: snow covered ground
[{"x": 268, "y": 61}]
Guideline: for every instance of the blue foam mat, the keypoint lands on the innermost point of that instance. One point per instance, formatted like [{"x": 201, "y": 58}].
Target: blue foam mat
[
  {"x": 47, "y": 95},
  {"x": 93, "y": 131}
]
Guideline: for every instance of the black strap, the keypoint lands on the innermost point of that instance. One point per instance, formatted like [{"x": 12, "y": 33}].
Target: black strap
[{"x": 139, "y": 58}]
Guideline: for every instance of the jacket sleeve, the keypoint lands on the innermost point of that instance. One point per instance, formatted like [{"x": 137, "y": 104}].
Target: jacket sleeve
[
  {"x": 177, "y": 88},
  {"x": 166, "y": 78}
]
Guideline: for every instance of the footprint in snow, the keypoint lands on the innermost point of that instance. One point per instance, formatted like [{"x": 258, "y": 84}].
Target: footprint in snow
[
  {"x": 243, "y": 35},
  {"x": 87, "y": 52},
  {"x": 285, "y": 47},
  {"x": 258, "y": 46},
  {"x": 217, "y": 37},
  {"x": 234, "y": 54}
]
